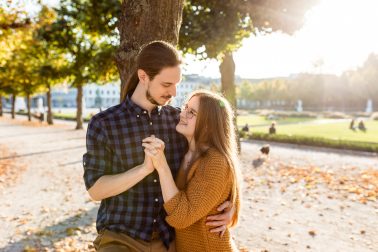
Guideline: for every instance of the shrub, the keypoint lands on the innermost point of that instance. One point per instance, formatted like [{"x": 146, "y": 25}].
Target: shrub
[
  {"x": 315, "y": 141},
  {"x": 374, "y": 116}
]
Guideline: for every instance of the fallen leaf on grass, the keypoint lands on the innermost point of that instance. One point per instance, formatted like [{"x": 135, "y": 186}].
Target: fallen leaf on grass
[{"x": 312, "y": 233}]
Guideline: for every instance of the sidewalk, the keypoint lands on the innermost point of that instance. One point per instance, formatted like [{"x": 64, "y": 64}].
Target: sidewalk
[{"x": 298, "y": 200}]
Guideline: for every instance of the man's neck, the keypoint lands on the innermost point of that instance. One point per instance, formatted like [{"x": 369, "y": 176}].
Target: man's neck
[{"x": 139, "y": 98}]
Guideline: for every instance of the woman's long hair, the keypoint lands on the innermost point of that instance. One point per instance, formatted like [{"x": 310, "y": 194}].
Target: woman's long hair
[
  {"x": 215, "y": 128},
  {"x": 152, "y": 58}
]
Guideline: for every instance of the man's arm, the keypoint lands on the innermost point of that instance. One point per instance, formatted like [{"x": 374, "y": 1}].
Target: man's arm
[
  {"x": 221, "y": 221},
  {"x": 111, "y": 185},
  {"x": 97, "y": 163}
]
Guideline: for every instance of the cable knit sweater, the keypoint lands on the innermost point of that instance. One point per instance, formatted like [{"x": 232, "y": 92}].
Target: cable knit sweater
[{"x": 208, "y": 185}]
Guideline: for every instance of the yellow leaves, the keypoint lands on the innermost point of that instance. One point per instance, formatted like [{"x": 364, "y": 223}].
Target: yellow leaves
[
  {"x": 9, "y": 169},
  {"x": 29, "y": 248},
  {"x": 354, "y": 190},
  {"x": 45, "y": 233},
  {"x": 363, "y": 184},
  {"x": 312, "y": 233},
  {"x": 73, "y": 231}
]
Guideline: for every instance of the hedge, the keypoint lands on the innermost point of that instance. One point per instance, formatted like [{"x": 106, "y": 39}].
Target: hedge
[{"x": 313, "y": 141}]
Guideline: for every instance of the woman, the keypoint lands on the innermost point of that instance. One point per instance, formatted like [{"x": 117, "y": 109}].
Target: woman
[{"x": 207, "y": 176}]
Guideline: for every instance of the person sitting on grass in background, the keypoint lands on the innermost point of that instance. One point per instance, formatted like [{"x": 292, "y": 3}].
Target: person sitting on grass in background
[
  {"x": 351, "y": 125},
  {"x": 361, "y": 126},
  {"x": 272, "y": 129},
  {"x": 245, "y": 128}
]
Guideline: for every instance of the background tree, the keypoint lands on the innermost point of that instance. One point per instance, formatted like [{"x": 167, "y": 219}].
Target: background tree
[
  {"x": 52, "y": 62},
  {"x": 215, "y": 29},
  {"x": 13, "y": 26},
  {"x": 26, "y": 76},
  {"x": 86, "y": 49},
  {"x": 144, "y": 21}
]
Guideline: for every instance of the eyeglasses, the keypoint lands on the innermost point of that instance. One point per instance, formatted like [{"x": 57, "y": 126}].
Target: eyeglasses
[{"x": 189, "y": 112}]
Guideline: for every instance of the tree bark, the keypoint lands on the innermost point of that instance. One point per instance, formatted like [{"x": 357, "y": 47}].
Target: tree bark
[
  {"x": 227, "y": 70},
  {"x": 1, "y": 105},
  {"x": 49, "y": 112},
  {"x": 142, "y": 22},
  {"x": 28, "y": 105},
  {"x": 13, "y": 105},
  {"x": 79, "y": 107}
]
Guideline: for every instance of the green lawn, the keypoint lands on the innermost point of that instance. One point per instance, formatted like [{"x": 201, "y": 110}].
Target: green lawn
[
  {"x": 68, "y": 116},
  {"x": 336, "y": 131},
  {"x": 261, "y": 120}
]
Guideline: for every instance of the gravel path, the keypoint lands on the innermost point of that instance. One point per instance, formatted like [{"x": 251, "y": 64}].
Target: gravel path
[{"x": 44, "y": 205}]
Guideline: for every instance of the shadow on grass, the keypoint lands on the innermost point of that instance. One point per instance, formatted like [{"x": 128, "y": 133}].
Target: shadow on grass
[
  {"x": 42, "y": 152},
  {"x": 35, "y": 134},
  {"x": 71, "y": 163},
  {"x": 314, "y": 149},
  {"x": 45, "y": 238}
]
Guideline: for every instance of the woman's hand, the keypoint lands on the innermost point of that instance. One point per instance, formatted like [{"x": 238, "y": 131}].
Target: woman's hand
[
  {"x": 154, "y": 148},
  {"x": 148, "y": 164}
]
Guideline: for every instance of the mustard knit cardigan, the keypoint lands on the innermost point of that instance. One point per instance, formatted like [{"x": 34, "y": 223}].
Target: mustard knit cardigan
[{"x": 208, "y": 185}]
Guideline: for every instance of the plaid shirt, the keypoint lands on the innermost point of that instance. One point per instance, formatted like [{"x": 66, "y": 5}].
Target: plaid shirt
[{"x": 114, "y": 145}]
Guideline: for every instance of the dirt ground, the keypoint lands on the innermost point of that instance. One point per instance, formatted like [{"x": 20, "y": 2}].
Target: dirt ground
[{"x": 298, "y": 199}]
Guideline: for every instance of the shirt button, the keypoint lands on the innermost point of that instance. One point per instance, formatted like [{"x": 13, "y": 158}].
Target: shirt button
[
  {"x": 154, "y": 220},
  {"x": 155, "y": 180},
  {"x": 144, "y": 112},
  {"x": 150, "y": 123},
  {"x": 156, "y": 200},
  {"x": 137, "y": 115}
]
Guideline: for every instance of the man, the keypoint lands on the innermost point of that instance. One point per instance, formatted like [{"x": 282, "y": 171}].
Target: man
[{"x": 131, "y": 215}]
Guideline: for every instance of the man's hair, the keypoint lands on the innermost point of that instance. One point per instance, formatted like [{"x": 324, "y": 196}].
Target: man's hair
[{"x": 152, "y": 58}]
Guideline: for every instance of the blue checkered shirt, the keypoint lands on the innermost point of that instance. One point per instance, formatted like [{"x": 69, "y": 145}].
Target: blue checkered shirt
[{"x": 114, "y": 145}]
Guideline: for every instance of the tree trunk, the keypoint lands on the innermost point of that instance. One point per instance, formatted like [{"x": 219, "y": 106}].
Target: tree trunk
[
  {"x": 79, "y": 107},
  {"x": 13, "y": 105},
  {"x": 227, "y": 70},
  {"x": 49, "y": 112},
  {"x": 144, "y": 21},
  {"x": 28, "y": 105},
  {"x": 1, "y": 105}
]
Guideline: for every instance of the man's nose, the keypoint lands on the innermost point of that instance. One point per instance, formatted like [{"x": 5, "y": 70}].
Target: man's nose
[{"x": 173, "y": 90}]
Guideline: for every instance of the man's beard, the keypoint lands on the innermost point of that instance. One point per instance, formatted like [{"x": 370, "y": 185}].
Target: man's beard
[{"x": 152, "y": 100}]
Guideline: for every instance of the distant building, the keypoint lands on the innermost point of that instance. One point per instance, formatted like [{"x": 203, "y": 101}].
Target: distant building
[
  {"x": 189, "y": 84},
  {"x": 94, "y": 96},
  {"x": 104, "y": 96},
  {"x": 183, "y": 89}
]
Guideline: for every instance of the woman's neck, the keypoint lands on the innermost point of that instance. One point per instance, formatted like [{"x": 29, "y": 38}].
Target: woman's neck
[{"x": 192, "y": 145}]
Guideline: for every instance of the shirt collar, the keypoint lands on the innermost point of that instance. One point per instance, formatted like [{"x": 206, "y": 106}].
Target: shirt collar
[{"x": 135, "y": 108}]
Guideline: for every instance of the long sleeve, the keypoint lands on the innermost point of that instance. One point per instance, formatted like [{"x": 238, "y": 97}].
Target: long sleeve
[
  {"x": 97, "y": 159},
  {"x": 202, "y": 193}
]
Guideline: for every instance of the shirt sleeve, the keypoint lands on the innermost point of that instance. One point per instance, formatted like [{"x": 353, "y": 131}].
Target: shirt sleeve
[
  {"x": 97, "y": 159},
  {"x": 202, "y": 194}
]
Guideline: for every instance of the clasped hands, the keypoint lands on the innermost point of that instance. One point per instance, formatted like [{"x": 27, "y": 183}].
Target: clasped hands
[{"x": 154, "y": 149}]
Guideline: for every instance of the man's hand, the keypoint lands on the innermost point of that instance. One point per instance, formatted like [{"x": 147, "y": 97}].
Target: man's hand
[
  {"x": 154, "y": 148},
  {"x": 222, "y": 220}
]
